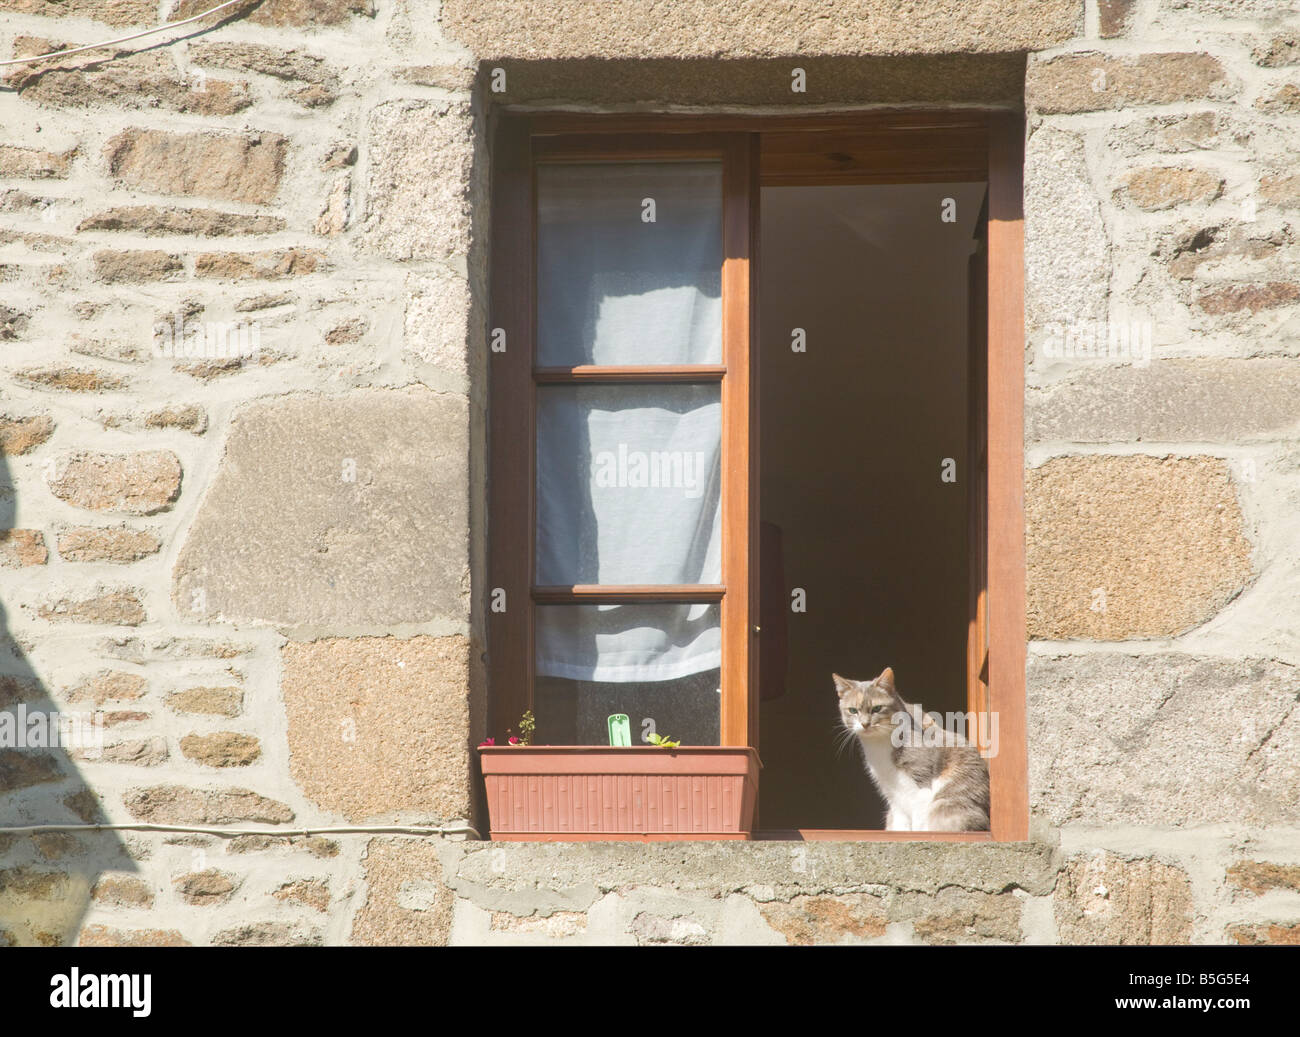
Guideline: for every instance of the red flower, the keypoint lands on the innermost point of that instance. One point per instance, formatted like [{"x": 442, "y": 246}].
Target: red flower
[
  {"x": 514, "y": 741},
  {"x": 487, "y": 741}
]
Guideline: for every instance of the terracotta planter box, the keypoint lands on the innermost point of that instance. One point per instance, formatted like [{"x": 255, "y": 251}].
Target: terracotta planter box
[{"x": 574, "y": 792}]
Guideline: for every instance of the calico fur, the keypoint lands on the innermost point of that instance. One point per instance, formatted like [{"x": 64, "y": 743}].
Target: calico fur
[{"x": 928, "y": 788}]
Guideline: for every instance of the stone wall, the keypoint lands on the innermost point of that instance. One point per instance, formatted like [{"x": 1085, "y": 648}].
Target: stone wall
[{"x": 242, "y": 316}]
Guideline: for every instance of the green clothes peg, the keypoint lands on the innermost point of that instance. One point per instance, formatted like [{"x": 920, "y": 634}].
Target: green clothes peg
[{"x": 620, "y": 730}]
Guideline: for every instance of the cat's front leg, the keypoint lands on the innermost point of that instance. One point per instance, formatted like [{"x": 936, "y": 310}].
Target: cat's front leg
[{"x": 896, "y": 822}]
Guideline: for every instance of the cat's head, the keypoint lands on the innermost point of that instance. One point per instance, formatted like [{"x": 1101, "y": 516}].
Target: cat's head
[{"x": 869, "y": 707}]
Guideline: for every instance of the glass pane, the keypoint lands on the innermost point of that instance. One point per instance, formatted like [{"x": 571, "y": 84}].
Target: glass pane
[
  {"x": 629, "y": 263},
  {"x": 629, "y": 484},
  {"x": 657, "y": 663}
]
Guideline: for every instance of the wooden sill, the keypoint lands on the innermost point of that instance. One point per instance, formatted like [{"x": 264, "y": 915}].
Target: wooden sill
[{"x": 869, "y": 835}]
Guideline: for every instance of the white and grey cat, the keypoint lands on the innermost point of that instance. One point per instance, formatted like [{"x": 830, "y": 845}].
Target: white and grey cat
[{"x": 929, "y": 787}]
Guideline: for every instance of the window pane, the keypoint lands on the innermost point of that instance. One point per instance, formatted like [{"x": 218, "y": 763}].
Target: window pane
[
  {"x": 616, "y": 286},
  {"x": 653, "y": 662},
  {"x": 629, "y": 484}
]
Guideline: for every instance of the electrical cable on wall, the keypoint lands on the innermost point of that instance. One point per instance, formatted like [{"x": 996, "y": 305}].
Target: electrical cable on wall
[
  {"x": 121, "y": 39},
  {"x": 456, "y": 828}
]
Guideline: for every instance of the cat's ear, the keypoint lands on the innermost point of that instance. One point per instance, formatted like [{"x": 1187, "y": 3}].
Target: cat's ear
[
  {"x": 842, "y": 685},
  {"x": 886, "y": 680}
]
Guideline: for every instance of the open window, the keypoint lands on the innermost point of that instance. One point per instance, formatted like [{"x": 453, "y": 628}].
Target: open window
[{"x": 755, "y": 415}]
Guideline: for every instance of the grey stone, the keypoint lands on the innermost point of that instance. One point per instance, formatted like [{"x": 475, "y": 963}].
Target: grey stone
[
  {"x": 1170, "y": 401},
  {"x": 756, "y": 28},
  {"x": 333, "y": 512},
  {"x": 421, "y": 156},
  {"x": 1067, "y": 255},
  {"x": 1163, "y": 740}
]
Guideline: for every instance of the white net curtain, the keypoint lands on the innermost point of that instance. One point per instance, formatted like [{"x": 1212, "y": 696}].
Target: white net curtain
[{"x": 628, "y": 476}]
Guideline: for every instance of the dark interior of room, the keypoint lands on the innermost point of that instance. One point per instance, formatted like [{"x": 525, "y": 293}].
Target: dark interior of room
[{"x": 853, "y": 436}]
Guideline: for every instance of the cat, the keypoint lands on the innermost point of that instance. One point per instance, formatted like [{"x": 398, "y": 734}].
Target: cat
[{"x": 928, "y": 787}]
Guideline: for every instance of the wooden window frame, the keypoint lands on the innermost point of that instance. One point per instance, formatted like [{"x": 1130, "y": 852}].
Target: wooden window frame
[{"x": 905, "y": 146}]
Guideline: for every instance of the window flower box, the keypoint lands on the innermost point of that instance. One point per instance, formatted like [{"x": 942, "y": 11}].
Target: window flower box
[{"x": 571, "y": 793}]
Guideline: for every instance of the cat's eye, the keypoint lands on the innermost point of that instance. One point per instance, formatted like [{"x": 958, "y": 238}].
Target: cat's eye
[{"x": 853, "y": 711}]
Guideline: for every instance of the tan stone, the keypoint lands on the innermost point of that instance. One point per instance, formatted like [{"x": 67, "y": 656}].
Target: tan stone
[
  {"x": 176, "y": 804},
  {"x": 107, "y": 686},
  {"x": 22, "y": 547},
  {"x": 267, "y": 265},
  {"x": 1285, "y": 100},
  {"x": 313, "y": 893},
  {"x": 206, "y": 888},
  {"x": 152, "y": 219},
  {"x": 1249, "y": 298},
  {"x": 1280, "y": 934},
  {"x": 124, "y": 716},
  {"x": 378, "y": 725},
  {"x": 85, "y": 805},
  {"x": 19, "y": 435},
  {"x": 33, "y": 163},
  {"x": 333, "y": 218},
  {"x": 101, "y": 349},
  {"x": 23, "y": 768},
  {"x": 757, "y": 28},
  {"x": 13, "y": 323},
  {"x": 137, "y": 265},
  {"x": 349, "y": 531},
  {"x": 446, "y": 77},
  {"x": 811, "y": 920},
  {"x": 421, "y": 157},
  {"x": 139, "y": 484},
  {"x": 1102, "y": 898},
  {"x": 316, "y": 845},
  {"x": 222, "y": 749},
  {"x": 301, "y": 13},
  {"x": 1214, "y": 246},
  {"x": 1102, "y": 82},
  {"x": 407, "y": 903},
  {"x": 349, "y": 331},
  {"x": 100, "y": 544},
  {"x": 318, "y": 84},
  {"x": 1136, "y": 546},
  {"x": 140, "y": 752},
  {"x": 268, "y": 934},
  {"x": 55, "y": 846},
  {"x": 1113, "y": 17},
  {"x": 15, "y": 689},
  {"x": 119, "y": 606},
  {"x": 106, "y": 936},
  {"x": 1278, "y": 50},
  {"x": 957, "y": 916},
  {"x": 221, "y": 702},
  {"x": 111, "y": 12},
  {"x": 146, "y": 81},
  {"x": 123, "y": 891},
  {"x": 1164, "y": 187},
  {"x": 1282, "y": 190},
  {"x": 70, "y": 379},
  {"x": 232, "y": 167},
  {"x": 1259, "y": 877}
]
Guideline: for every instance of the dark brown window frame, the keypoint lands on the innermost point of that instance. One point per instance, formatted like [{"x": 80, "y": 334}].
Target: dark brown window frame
[{"x": 904, "y": 146}]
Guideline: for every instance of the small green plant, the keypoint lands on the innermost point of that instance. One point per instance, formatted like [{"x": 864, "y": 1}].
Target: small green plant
[
  {"x": 661, "y": 741},
  {"x": 527, "y": 725}
]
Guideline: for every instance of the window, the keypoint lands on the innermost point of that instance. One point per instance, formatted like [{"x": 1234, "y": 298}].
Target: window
[{"x": 632, "y": 562}]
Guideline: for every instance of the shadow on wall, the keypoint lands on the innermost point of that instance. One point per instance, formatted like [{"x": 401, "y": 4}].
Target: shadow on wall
[{"x": 46, "y": 878}]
